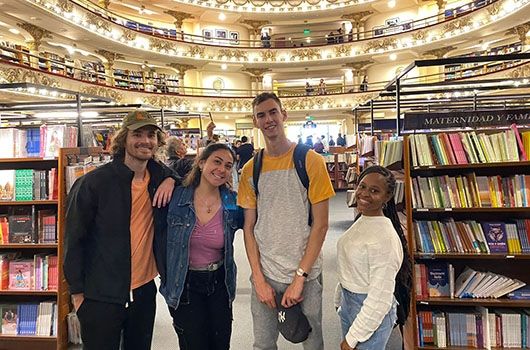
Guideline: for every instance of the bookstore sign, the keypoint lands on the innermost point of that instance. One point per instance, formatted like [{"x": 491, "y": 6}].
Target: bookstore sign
[{"x": 472, "y": 119}]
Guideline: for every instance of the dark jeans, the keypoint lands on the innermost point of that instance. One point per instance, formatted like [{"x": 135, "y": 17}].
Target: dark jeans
[
  {"x": 203, "y": 319},
  {"x": 102, "y": 323}
]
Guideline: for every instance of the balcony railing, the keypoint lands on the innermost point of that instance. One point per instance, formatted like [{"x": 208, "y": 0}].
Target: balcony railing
[
  {"x": 284, "y": 40},
  {"x": 156, "y": 83}
]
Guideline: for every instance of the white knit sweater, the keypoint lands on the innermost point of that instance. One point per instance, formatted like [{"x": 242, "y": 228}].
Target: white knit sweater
[{"x": 369, "y": 256}]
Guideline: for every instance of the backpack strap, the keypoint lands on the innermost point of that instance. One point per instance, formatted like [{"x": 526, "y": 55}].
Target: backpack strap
[
  {"x": 299, "y": 155},
  {"x": 256, "y": 170}
]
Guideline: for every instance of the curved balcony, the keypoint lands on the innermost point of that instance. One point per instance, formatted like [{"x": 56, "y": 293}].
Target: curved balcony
[
  {"x": 294, "y": 39},
  {"x": 230, "y": 101},
  {"x": 500, "y": 15}
]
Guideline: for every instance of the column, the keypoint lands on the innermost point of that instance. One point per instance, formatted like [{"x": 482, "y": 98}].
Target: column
[
  {"x": 359, "y": 71},
  {"x": 255, "y": 31},
  {"x": 104, "y": 3},
  {"x": 37, "y": 34},
  {"x": 179, "y": 20},
  {"x": 436, "y": 73},
  {"x": 357, "y": 20},
  {"x": 521, "y": 32},
  {"x": 181, "y": 70},
  {"x": 110, "y": 58}
]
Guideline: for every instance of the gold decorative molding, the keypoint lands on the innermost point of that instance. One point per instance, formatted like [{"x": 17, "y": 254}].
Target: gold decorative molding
[
  {"x": 268, "y": 55},
  {"x": 359, "y": 66},
  {"x": 160, "y": 44},
  {"x": 356, "y": 17},
  {"x": 457, "y": 24},
  {"x": 521, "y": 31},
  {"x": 255, "y": 24},
  {"x": 169, "y": 102},
  {"x": 519, "y": 72},
  {"x": 231, "y": 53},
  {"x": 179, "y": 17},
  {"x": 307, "y": 54},
  {"x": 129, "y": 35},
  {"x": 383, "y": 44},
  {"x": 12, "y": 75},
  {"x": 196, "y": 50},
  {"x": 293, "y": 104},
  {"x": 257, "y": 72},
  {"x": 440, "y": 4},
  {"x": 494, "y": 9},
  {"x": 182, "y": 68},
  {"x": 230, "y": 105},
  {"x": 112, "y": 94},
  {"x": 109, "y": 56},
  {"x": 419, "y": 35},
  {"x": 342, "y": 50},
  {"x": 65, "y": 5},
  {"x": 37, "y": 33},
  {"x": 104, "y": 3},
  {"x": 95, "y": 20},
  {"x": 439, "y": 53}
]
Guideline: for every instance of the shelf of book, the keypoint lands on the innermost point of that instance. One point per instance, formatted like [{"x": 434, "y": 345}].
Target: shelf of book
[
  {"x": 458, "y": 191},
  {"x": 474, "y": 256},
  {"x": 26, "y": 160},
  {"x": 28, "y": 338},
  {"x": 29, "y": 292},
  {"x": 29, "y": 246},
  {"x": 38, "y": 202}
]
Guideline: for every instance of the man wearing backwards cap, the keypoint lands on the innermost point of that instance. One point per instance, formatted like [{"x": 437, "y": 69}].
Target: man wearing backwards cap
[{"x": 114, "y": 213}]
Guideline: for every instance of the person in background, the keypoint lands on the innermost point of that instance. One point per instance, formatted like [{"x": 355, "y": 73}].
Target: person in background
[
  {"x": 322, "y": 87},
  {"x": 330, "y": 38},
  {"x": 318, "y": 146},
  {"x": 283, "y": 249},
  {"x": 309, "y": 141},
  {"x": 308, "y": 89},
  {"x": 364, "y": 84},
  {"x": 199, "y": 278},
  {"x": 341, "y": 141},
  {"x": 331, "y": 141},
  {"x": 113, "y": 214},
  {"x": 324, "y": 142},
  {"x": 245, "y": 152},
  {"x": 176, "y": 151},
  {"x": 365, "y": 294}
]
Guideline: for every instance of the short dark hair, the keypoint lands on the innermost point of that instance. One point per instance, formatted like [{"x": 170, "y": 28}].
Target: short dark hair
[
  {"x": 264, "y": 96},
  {"x": 244, "y": 139},
  {"x": 194, "y": 177}
]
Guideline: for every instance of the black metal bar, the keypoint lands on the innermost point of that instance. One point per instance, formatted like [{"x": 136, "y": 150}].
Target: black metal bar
[
  {"x": 371, "y": 117},
  {"x": 474, "y": 102},
  {"x": 162, "y": 118},
  {"x": 398, "y": 105},
  {"x": 80, "y": 141}
]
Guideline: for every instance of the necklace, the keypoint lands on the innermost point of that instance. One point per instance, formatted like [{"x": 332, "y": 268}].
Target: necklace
[{"x": 208, "y": 206}]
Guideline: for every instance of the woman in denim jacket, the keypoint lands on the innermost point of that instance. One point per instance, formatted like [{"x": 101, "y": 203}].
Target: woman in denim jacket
[{"x": 199, "y": 274}]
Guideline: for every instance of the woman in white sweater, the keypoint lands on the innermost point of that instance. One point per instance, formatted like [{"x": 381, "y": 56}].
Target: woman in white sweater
[{"x": 370, "y": 254}]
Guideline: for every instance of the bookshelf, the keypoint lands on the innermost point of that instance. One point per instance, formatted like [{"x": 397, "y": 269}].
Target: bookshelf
[
  {"x": 434, "y": 318},
  {"x": 14, "y": 53},
  {"x": 337, "y": 166},
  {"x": 40, "y": 290}
]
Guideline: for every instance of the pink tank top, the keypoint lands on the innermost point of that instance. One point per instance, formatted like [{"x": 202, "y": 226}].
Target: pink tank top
[{"x": 207, "y": 242}]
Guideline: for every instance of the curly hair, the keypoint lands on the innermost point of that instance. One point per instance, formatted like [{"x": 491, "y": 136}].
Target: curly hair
[{"x": 117, "y": 146}]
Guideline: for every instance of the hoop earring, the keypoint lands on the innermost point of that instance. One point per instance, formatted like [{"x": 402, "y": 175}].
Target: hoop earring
[{"x": 384, "y": 206}]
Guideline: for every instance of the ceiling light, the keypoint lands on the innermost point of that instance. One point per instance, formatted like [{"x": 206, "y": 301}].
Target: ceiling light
[
  {"x": 224, "y": 66},
  {"x": 392, "y": 56},
  {"x": 226, "y": 117},
  {"x": 392, "y": 3},
  {"x": 222, "y": 16},
  {"x": 485, "y": 46},
  {"x": 14, "y": 31}
]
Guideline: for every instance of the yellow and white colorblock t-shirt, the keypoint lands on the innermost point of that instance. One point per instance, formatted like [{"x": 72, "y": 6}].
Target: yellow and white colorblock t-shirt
[{"x": 282, "y": 230}]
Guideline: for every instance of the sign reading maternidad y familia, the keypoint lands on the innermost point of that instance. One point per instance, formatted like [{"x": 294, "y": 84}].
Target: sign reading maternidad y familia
[{"x": 472, "y": 119}]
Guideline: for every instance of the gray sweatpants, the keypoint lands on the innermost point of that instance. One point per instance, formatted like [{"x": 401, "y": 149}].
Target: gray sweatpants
[{"x": 265, "y": 319}]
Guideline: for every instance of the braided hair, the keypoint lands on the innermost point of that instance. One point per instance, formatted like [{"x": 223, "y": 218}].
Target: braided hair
[{"x": 404, "y": 276}]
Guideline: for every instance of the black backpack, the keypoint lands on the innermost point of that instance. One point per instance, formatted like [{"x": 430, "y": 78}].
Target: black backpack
[{"x": 299, "y": 155}]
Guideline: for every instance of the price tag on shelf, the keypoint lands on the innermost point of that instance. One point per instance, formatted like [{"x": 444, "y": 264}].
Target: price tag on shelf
[
  {"x": 424, "y": 302},
  {"x": 510, "y": 256},
  {"x": 432, "y": 166},
  {"x": 422, "y": 209},
  {"x": 448, "y": 209}
]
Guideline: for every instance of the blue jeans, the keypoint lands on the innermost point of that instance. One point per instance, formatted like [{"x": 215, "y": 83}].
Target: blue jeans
[{"x": 351, "y": 306}]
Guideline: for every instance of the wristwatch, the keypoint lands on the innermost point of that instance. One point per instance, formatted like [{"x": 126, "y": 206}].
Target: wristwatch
[{"x": 301, "y": 273}]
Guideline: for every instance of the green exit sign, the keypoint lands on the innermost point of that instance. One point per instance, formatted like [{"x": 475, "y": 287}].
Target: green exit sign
[
  {"x": 307, "y": 32},
  {"x": 309, "y": 117}
]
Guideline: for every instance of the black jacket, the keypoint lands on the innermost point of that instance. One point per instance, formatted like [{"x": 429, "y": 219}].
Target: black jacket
[
  {"x": 97, "y": 259},
  {"x": 181, "y": 166}
]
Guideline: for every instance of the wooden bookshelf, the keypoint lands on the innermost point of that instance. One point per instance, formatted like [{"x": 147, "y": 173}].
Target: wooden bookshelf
[
  {"x": 516, "y": 266},
  {"x": 27, "y": 251}
]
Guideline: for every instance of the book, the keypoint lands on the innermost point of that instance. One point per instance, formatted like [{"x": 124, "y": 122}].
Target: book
[
  {"x": 22, "y": 224},
  {"x": 7, "y": 185},
  {"x": 522, "y": 293},
  {"x": 438, "y": 280},
  {"x": 496, "y": 237},
  {"x": 9, "y": 319},
  {"x": 21, "y": 275}
]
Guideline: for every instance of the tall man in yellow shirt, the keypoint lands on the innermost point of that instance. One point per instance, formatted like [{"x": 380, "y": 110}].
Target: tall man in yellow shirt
[{"x": 284, "y": 252}]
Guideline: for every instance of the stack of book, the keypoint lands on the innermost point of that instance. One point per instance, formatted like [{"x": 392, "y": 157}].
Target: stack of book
[
  {"x": 39, "y": 273},
  {"x": 29, "y": 319}
]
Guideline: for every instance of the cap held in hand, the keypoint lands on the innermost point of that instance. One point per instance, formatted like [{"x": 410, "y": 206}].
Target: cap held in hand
[
  {"x": 292, "y": 323},
  {"x": 138, "y": 119}
]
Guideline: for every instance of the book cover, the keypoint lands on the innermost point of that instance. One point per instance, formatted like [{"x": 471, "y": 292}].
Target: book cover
[
  {"x": 20, "y": 275},
  {"x": 496, "y": 237},
  {"x": 21, "y": 224},
  {"x": 438, "y": 280},
  {"x": 9, "y": 319},
  {"x": 522, "y": 293}
]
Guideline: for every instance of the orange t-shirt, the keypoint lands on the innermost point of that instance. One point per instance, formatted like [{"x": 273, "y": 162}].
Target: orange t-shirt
[{"x": 143, "y": 266}]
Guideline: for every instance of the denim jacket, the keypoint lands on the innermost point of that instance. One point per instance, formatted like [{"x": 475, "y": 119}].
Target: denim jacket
[{"x": 180, "y": 223}]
